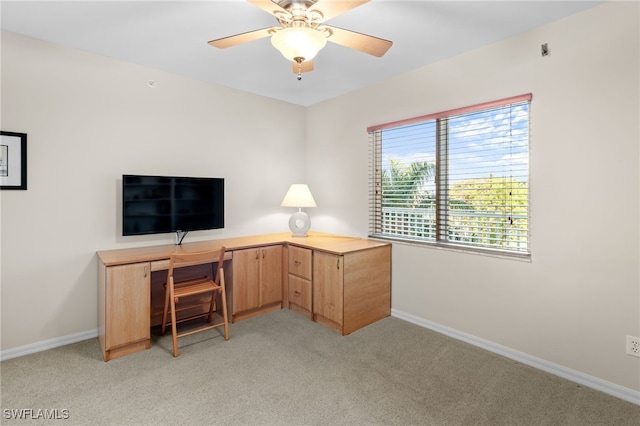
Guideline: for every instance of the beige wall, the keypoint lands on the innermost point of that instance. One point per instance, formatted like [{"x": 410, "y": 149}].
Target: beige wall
[
  {"x": 578, "y": 298},
  {"x": 90, "y": 119}
]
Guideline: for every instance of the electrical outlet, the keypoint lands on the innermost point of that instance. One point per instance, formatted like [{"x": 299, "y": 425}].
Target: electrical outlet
[{"x": 633, "y": 346}]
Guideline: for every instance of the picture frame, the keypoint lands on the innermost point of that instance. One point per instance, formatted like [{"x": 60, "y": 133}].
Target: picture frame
[{"x": 13, "y": 160}]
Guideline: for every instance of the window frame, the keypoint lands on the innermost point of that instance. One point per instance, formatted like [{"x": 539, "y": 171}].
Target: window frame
[{"x": 440, "y": 119}]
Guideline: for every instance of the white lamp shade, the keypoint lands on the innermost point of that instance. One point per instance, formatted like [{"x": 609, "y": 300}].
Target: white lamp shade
[
  {"x": 298, "y": 195},
  {"x": 298, "y": 42}
]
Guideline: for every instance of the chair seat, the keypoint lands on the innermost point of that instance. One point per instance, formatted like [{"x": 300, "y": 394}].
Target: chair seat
[{"x": 193, "y": 287}]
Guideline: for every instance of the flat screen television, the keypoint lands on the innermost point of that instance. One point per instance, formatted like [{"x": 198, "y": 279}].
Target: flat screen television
[{"x": 165, "y": 204}]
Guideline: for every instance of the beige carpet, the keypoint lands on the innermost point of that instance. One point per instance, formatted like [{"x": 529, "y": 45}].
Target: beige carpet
[{"x": 282, "y": 369}]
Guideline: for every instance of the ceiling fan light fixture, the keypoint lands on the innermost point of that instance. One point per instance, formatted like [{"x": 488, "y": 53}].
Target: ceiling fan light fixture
[{"x": 298, "y": 42}]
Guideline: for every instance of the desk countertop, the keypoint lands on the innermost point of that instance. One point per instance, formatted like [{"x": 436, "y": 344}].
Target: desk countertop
[{"x": 336, "y": 244}]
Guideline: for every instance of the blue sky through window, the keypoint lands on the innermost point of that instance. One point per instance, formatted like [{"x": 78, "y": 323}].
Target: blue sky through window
[{"x": 483, "y": 143}]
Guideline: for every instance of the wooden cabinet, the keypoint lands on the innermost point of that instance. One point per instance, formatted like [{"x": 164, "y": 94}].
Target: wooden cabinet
[
  {"x": 341, "y": 282},
  {"x": 300, "y": 270},
  {"x": 124, "y": 308},
  {"x": 344, "y": 290},
  {"x": 257, "y": 281},
  {"x": 353, "y": 289}
]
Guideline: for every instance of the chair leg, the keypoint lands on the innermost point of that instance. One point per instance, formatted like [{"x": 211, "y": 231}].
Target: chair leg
[
  {"x": 166, "y": 309},
  {"x": 224, "y": 311},
  {"x": 174, "y": 329},
  {"x": 212, "y": 306}
]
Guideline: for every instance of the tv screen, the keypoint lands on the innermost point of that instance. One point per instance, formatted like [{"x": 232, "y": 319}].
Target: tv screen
[{"x": 163, "y": 204}]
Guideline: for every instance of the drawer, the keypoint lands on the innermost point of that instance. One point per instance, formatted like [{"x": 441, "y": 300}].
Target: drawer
[
  {"x": 300, "y": 262},
  {"x": 163, "y": 265},
  {"x": 160, "y": 265},
  {"x": 300, "y": 292}
]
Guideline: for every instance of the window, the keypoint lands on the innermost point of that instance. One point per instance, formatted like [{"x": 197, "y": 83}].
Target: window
[{"x": 458, "y": 178}]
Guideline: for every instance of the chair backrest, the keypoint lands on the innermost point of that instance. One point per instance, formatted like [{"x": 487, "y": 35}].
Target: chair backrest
[{"x": 184, "y": 259}]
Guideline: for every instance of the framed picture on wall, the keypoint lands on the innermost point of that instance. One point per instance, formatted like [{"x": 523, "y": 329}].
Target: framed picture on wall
[{"x": 13, "y": 160}]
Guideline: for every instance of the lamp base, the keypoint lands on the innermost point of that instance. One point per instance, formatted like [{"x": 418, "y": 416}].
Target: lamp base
[{"x": 299, "y": 223}]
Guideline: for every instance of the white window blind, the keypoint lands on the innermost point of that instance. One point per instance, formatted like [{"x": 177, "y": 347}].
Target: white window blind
[{"x": 458, "y": 178}]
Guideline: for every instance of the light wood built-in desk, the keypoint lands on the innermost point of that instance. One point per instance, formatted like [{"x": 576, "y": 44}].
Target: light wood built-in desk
[{"x": 341, "y": 282}]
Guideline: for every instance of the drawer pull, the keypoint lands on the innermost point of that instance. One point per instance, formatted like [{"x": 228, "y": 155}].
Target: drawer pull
[
  {"x": 297, "y": 262},
  {"x": 298, "y": 293}
]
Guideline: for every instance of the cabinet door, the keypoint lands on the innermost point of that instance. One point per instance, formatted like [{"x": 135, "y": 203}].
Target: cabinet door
[
  {"x": 246, "y": 279},
  {"x": 127, "y": 304},
  {"x": 270, "y": 275},
  {"x": 328, "y": 281}
]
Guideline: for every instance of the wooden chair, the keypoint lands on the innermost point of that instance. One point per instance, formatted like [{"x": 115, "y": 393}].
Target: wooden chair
[{"x": 192, "y": 292}]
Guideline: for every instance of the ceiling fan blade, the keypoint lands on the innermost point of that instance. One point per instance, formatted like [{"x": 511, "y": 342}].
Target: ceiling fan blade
[
  {"x": 332, "y": 8},
  {"x": 268, "y": 6},
  {"x": 305, "y": 66},
  {"x": 364, "y": 43},
  {"x": 241, "y": 38}
]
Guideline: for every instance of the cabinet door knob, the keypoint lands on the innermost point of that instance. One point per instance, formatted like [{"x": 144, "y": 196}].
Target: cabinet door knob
[
  {"x": 145, "y": 272},
  {"x": 338, "y": 263}
]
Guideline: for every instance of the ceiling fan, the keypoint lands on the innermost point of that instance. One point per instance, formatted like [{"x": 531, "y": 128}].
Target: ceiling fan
[{"x": 302, "y": 33}]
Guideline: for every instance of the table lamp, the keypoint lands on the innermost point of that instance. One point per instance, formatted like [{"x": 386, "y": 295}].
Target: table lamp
[{"x": 299, "y": 196}]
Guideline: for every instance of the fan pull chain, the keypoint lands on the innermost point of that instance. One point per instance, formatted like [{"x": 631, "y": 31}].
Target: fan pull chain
[{"x": 299, "y": 61}]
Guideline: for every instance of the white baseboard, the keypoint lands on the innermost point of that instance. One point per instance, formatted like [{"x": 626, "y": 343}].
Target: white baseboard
[
  {"x": 618, "y": 391},
  {"x": 48, "y": 344}
]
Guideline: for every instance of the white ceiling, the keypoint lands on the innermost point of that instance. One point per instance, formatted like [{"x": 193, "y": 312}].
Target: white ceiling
[{"x": 172, "y": 36}]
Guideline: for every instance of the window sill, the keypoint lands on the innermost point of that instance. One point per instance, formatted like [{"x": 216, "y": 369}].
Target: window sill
[{"x": 501, "y": 254}]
